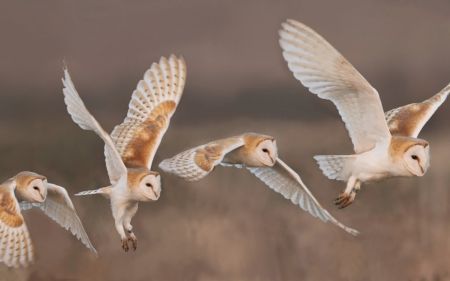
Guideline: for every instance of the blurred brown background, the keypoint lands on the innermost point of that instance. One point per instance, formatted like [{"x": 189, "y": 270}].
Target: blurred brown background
[{"x": 228, "y": 226}]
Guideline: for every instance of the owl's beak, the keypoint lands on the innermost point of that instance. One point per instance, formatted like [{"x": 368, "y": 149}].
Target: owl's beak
[
  {"x": 42, "y": 199},
  {"x": 273, "y": 160},
  {"x": 155, "y": 194}
]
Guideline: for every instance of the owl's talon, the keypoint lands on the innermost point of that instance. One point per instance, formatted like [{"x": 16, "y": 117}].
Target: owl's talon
[
  {"x": 125, "y": 245},
  {"x": 133, "y": 241},
  {"x": 344, "y": 199}
]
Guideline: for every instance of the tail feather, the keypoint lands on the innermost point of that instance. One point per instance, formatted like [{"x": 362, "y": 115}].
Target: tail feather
[
  {"x": 335, "y": 167},
  {"x": 105, "y": 191}
]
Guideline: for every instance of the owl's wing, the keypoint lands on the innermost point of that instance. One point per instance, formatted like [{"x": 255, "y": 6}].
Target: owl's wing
[
  {"x": 80, "y": 115},
  {"x": 152, "y": 105},
  {"x": 59, "y": 208},
  {"x": 326, "y": 73},
  {"x": 16, "y": 248},
  {"x": 282, "y": 179},
  {"x": 409, "y": 120},
  {"x": 196, "y": 163}
]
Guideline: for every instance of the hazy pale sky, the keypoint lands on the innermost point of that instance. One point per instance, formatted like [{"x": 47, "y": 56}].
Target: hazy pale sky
[{"x": 230, "y": 46}]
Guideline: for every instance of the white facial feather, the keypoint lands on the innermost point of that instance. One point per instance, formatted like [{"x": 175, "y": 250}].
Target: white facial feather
[
  {"x": 150, "y": 187},
  {"x": 266, "y": 152},
  {"x": 417, "y": 159},
  {"x": 35, "y": 191}
]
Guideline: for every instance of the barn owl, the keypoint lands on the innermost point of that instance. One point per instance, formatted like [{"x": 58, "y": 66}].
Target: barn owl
[
  {"x": 257, "y": 153},
  {"x": 385, "y": 145},
  {"x": 131, "y": 147},
  {"x": 25, "y": 191}
]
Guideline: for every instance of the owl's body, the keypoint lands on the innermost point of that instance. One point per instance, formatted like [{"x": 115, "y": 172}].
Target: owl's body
[
  {"x": 385, "y": 144},
  {"x": 131, "y": 147},
  {"x": 23, "y": 192},
  {"x": 383, "y": 161},
  {"x": 256, "y": 153}
]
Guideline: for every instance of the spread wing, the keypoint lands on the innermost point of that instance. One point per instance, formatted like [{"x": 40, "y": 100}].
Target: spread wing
[
  {"x": 16, "y": 248},
  {"x": 409, "y": 120},
  {"x": 282, "y": 179},
  {"x": 152, "y": 105},
  {"x": 326, "y": 73},
  {"x": 196, "y": 163},
  {"x": 59, "y": 208},
  {"x": 86, "y": 121}
]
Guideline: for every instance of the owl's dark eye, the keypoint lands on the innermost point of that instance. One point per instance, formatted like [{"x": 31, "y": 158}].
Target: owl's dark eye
[
  {"x": 265, "y": 150},
  {"x": 149, "y": 184},
  {"x": 414, "y": 157},
  {"x": 36, "y": 188}
]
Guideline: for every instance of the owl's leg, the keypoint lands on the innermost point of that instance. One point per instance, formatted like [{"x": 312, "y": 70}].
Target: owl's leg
[
  {"x": 348, "y": 196},
  {"x": 118, "y": 211},
  {"x": 128, "y": 227},
  {"x": 123, "y": 236},
  {"x": 130, "y": 234}
]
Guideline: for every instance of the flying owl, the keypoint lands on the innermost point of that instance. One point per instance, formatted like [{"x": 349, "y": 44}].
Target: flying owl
[
  {"x": 131, "y": 147},
  {"x": 25, "y": 191},
  {"x": 385, "y": 145},
  {"x": 257, "y": 153}
]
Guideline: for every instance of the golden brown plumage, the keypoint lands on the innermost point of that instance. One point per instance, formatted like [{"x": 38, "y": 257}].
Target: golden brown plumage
[
  {"x": 9, "y": 213},
  {"x": 409, "y": 120},
  {"x": 141, "y": 148}
]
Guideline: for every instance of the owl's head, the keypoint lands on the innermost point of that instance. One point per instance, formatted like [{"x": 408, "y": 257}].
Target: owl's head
[
  {"x": 416, "y": 158},
  {"x": 262, "y": 150},
  {"x": 146, "y": 185},
  {"x": 31, "y": 187}
]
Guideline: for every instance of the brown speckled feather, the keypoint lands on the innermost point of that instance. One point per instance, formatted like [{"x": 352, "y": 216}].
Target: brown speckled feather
[
  {"x": 196, "y": 163},
  {"x": 409, "y": 120},
  {"x": 9, "y": 213},
  {"x": 152, "y": 105},
  {"x": 16, "y": 248}
]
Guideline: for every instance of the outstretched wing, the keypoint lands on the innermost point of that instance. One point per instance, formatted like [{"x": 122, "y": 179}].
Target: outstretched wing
[
  {"x": 16, "y": 248},
  {"x": 152, "y": 105},
  {"x": 59, "y": 208},
  {"x": 86, "y": 121},
  {"x": 322, "y": 69},
  {"x": 409, "y": 120},
  {"x": 282, "y": 179},
  {"x": 196, "y": 163}
]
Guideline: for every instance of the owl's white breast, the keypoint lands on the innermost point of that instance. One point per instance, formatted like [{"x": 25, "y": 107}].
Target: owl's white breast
[{"x": 377, "y": 164}]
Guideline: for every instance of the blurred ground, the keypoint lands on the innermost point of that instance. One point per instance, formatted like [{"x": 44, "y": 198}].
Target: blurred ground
[{"x": 228, "y": 226}]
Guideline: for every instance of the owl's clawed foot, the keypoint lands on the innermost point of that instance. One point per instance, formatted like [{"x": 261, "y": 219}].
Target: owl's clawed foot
[
  {"x": 344, "y": 199},
  {"x": 133, "y": 240},
  {"x": 125, "y": 244},
  {"x": 130, "y": 238}
]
